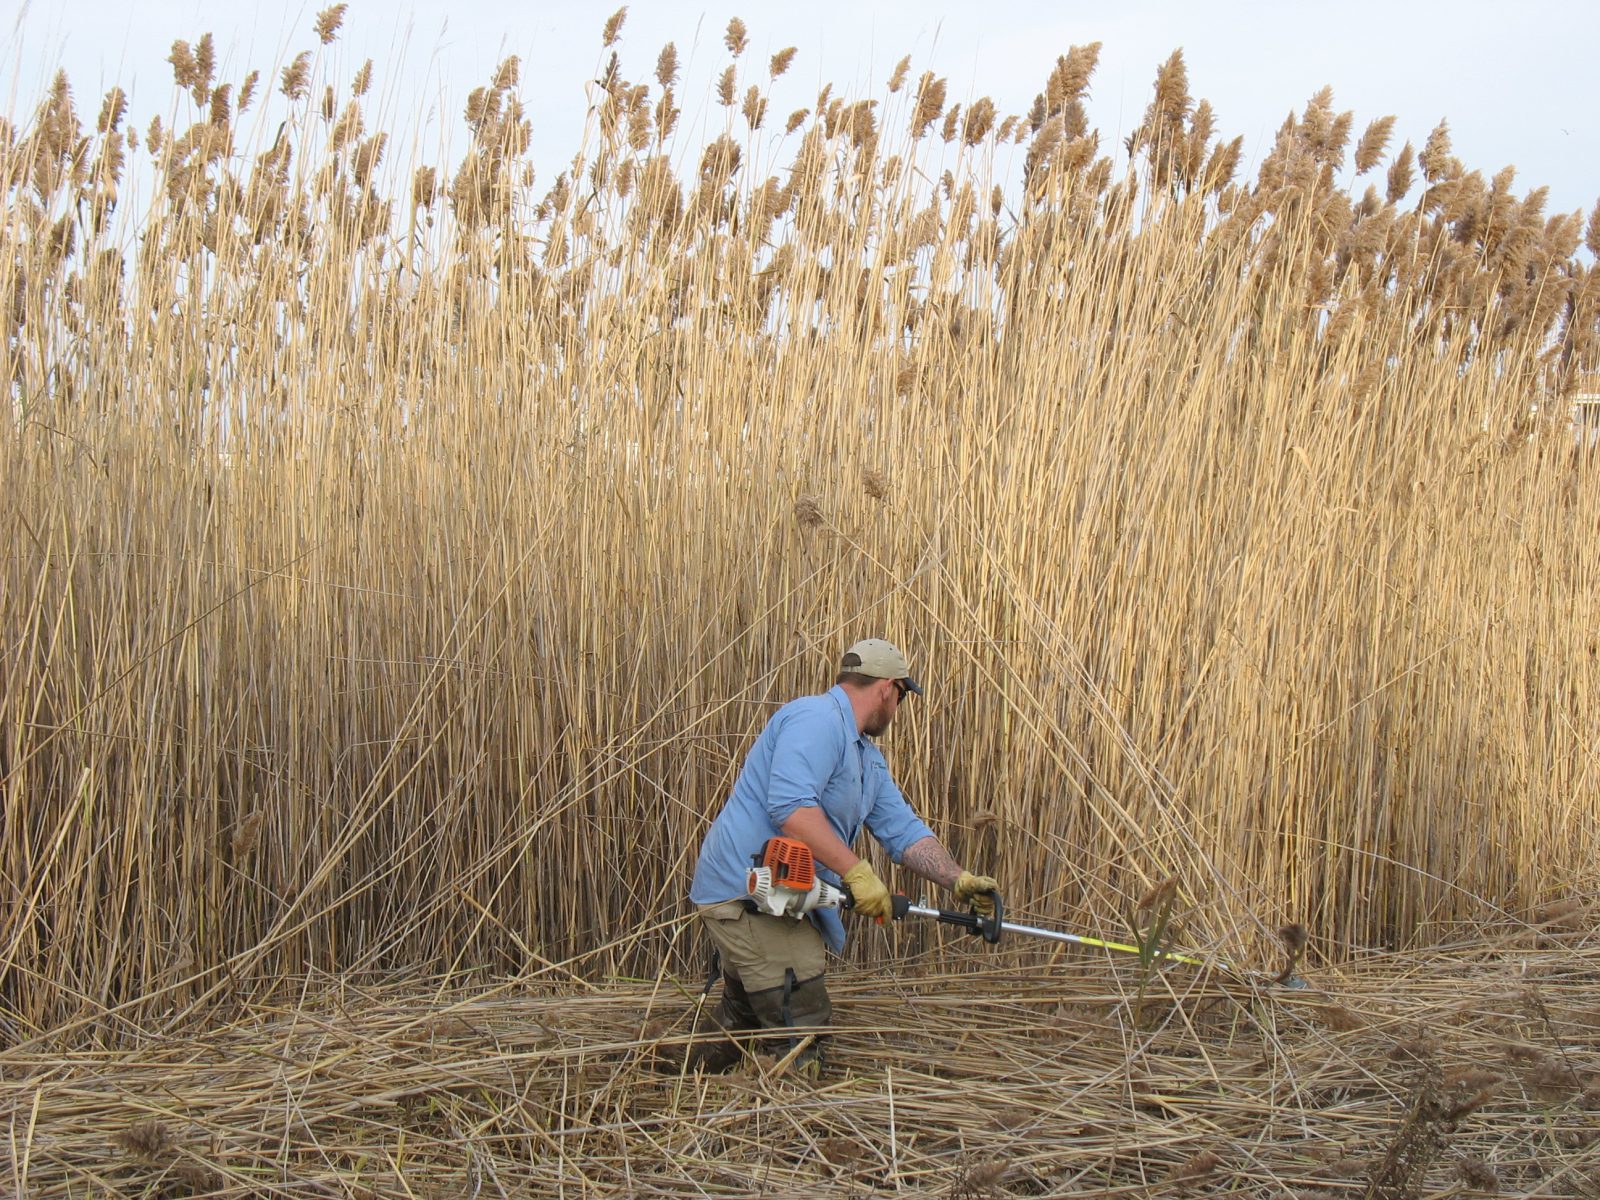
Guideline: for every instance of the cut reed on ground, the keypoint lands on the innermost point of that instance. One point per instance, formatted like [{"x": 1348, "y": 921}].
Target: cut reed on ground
[{"x": 399, "y": 560}]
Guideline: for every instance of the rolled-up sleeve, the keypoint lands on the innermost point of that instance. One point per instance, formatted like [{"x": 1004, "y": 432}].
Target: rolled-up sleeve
[
  {"x": 891, "y": 819},
  {"x": 804, "y": 757}
]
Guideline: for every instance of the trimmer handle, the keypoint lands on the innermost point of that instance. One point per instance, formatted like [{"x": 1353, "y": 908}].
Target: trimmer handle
[
  {"x": 991, "y": 924},
  {"x": 989, "y": 928}
]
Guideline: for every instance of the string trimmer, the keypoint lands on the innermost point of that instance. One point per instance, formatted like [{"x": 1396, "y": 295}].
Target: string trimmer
[{"x": 784, "y": 882}]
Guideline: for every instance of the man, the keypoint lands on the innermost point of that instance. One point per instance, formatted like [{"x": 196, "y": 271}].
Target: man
[{"x": 813, "y": 775}]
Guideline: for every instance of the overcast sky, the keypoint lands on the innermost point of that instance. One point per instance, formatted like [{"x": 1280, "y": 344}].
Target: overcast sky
[{"x": 1516, "y": 82}]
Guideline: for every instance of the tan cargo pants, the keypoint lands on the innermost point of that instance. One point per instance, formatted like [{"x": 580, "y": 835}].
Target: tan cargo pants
[{"x": 772, "y": 977}]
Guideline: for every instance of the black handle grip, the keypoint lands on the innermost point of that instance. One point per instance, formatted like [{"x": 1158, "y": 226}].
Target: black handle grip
[
  {"x": 899, "y": 905},
  {"x": 991, "y": 924}
]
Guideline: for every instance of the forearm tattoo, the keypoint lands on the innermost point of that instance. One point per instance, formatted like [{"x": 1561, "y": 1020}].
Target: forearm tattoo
[{"x": 929, "y": 859}]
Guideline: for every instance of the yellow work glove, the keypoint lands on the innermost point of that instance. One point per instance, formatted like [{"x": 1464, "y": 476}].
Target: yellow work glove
[
  {"x": 974, "y": 890},
  {"x": 868, "y": 895}
]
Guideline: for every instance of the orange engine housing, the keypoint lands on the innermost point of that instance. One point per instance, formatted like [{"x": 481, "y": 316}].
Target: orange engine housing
[{"x": 790, "y": 862}]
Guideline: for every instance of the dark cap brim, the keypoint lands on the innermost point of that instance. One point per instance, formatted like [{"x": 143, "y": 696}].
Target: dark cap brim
[{"x": 912, "y": 685}]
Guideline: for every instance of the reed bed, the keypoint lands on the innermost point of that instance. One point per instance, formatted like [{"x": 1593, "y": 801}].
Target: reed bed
[
  {"x": 1472, "y": 1071},
  {"x": 401, "y": 554}
]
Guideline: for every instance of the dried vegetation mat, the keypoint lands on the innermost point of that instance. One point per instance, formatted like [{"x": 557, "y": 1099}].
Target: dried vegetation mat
[{"x": 1472, "y": 1071}]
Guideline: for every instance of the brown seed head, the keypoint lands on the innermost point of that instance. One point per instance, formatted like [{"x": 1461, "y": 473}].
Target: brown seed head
[
  {"x": 184, "y": 72},
  {"x": 247, "y": 89},
  {"x": 328, "y": 22},
  {"x": 424, "y": 187},
  {"x": 1464, "y": 1091},
  {"x": 952, "y": 119},
  {"x": 1160, "y": 895},
  {"x": 841, "y": 1151},
  {"x": 613, "y": 27},
  {"x": 667, "y": 65},
  {"x": 112, "y": 110},
  {"x": 149, "y": 1141},
  {"x": 898, "y": 78},
  {"x": 808, "y": 512},
  {"x": 930, "y": 103},
  {"x": 297, "y": 76},
  {"x": 1477, "y": 1173},
  {"x": 755, "y": 107},
  {"x": 1435, "y": 156},
  {"x": 987, "y": 1174},
  {"x": 725, "y": 87},
  {"x": 980, "y": 120},
  {"x": 247, "y": 835},
  {"x": 735, "y": 38},
  {"x": 780, "y": 61},
  {"x": 1196, "y": 1166},
  {"x": 1372, "y": 144},
  {"x": 1070, "y": 77},
  {"x": 1401, "y": 174}
]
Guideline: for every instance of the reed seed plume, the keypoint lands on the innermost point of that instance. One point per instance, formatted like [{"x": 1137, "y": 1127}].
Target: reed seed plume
[
  {"x": 328, "y": 23},
  {"x": 1370, "y": 149},
  {"x": 148, "y": 1141}
]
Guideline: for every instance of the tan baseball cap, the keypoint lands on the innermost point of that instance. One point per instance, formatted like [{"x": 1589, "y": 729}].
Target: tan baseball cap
[{"x": 876, "y": 657}]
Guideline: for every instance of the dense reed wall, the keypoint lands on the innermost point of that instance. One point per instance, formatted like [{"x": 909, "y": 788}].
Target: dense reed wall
[{"x": 399, "y": 561}]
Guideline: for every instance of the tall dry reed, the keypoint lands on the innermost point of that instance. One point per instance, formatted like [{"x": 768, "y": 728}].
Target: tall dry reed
[{"x": 400, "y": 557}]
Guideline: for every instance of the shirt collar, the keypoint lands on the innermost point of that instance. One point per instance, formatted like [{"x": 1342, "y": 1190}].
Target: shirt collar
[{"x": 846, "y": 713}]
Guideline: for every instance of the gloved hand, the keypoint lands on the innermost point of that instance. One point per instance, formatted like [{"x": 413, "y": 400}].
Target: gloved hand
[
  {"x": 974, "y": 890},
  {"x": 868, "y": 895}
]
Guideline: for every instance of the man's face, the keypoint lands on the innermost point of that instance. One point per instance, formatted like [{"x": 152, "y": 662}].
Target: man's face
[{"x": 890, "y": 692}]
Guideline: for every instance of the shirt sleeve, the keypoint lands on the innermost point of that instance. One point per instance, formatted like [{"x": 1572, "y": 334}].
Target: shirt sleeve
[
  {"x": 804, "y": 758},
  {"x": 891, "y": 819}
]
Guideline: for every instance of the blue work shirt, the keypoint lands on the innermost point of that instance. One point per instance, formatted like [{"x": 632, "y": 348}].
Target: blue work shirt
[{"x": 810, "y": 753}]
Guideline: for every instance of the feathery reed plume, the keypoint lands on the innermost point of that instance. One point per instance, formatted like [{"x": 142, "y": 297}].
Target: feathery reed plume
[
  {"x": 929, "y": 103},
  {"x": 1198, "y": 1165},
  {"x": 1435, "y": 156},
  {"x": 1158, "y": 895},
  {"x": 247, "y": 834},
  {"x": 667, "y": 65},
  {"x": 1369, "y": 150},
  {"x": 780, "y": 61},
  {"x": 897, "y": 77},
  {"x": 754, "y": 108},
  {"x": 148, "y": 1141},
  {"x": 1401, "y": 175},
  {"x": 612, "y": 30},
  {"x": 296, "y": 78},
  {"x": 328, "y": 22},
  {"x": 735, "y": 38},
  {"x": 725, "y": 86}
]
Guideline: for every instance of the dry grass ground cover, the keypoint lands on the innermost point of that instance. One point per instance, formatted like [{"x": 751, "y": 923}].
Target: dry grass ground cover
[{"x": 1474, "y": 1072}]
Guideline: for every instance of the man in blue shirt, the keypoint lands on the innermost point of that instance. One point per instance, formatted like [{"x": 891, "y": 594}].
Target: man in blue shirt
[{"x": 813, "y": 775}]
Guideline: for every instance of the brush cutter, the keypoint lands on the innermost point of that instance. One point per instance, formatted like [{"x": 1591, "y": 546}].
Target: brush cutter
[{"x": 783, "y": 882}]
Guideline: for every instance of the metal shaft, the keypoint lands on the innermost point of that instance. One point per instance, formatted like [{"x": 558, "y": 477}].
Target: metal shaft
[{"x": 1054, "y": 935}]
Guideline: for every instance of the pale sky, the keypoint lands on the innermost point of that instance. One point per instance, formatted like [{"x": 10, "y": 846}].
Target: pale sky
[{"x": 1516, "y": 82}]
